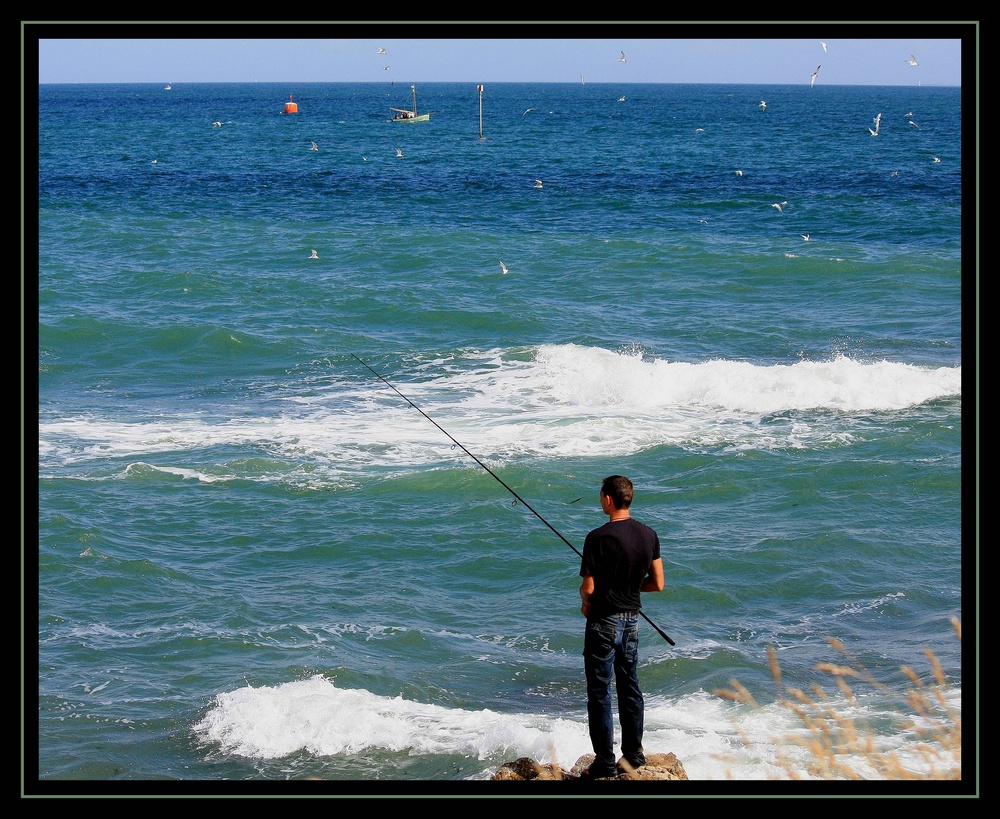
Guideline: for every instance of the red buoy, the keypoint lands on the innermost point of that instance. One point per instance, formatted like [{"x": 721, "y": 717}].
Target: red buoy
[{"x": 291, "y": 107}]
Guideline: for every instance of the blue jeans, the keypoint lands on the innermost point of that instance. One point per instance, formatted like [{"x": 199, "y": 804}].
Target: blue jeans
[{"x": 611, "y": 645}]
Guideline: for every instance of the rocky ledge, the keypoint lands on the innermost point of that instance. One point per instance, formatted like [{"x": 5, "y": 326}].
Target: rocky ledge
[{"x": 658, "y": 766}]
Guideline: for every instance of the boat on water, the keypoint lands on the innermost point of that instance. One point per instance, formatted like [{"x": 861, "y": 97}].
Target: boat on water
[{"x": 407, "y": 115}]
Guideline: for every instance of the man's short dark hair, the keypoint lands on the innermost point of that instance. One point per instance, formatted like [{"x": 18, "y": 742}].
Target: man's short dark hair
[{"x": 619, "y": 489}]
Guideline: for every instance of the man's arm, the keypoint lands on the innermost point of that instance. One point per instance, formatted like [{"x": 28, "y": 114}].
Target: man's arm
[
  {"x": 654, "y": 580},
  {"x": 586, "y": 590}
]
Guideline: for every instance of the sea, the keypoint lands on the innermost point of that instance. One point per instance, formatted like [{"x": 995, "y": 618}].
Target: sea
[{"x": 325, "y": 401}]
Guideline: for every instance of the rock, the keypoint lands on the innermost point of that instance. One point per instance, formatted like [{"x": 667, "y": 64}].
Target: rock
[{"x": 658, "y": 766}]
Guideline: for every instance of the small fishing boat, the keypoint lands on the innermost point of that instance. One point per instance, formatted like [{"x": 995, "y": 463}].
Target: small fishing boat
[{"x": 406, "y": 115}]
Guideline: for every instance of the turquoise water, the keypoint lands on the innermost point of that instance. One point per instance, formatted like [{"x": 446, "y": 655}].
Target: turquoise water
[{"x": 258, "y": 563}]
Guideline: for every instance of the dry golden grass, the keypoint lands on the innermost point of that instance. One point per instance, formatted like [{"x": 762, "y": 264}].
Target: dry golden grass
[{"x": 836, "y": 744}]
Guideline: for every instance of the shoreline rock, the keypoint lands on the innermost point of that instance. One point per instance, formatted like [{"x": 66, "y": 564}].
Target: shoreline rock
[{"x": 657, "y": 767}]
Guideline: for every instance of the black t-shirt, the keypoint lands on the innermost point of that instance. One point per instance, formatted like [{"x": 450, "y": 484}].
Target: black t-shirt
[{"x": 618, "y": 556}]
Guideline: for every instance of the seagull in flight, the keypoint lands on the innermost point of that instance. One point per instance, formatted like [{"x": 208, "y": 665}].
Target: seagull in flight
[
  {"x": 621, "y": 99},
  {"x": 622, "y": 58},
  {"x": 805, "y": 236},
  {"x": 386, "y": 68},
  {"x": 914, "y": 124},
  {"x": 526, "y": 110},
  {"x": 763, "y": 105},
  {"x": 314, "y": 254},
  {"x": 399, "y": 153},
  {"x": 937, "y": 159},
  {"x": 538, "y": 183},
  {"x": 912, "y": 61},
  {"x": 812, "y": 80},
  {"x": 824, "y": 46},
  {"x": 778, "y": 206},
  {"x": 313, "y": 146},
  {"x": 216, "y": 124},
  {"x": 878, "y": 121},
  {"x": 381, "y": 51},
  {"x": 503, "y": 267},
  {"x": 738, "y": 172}
]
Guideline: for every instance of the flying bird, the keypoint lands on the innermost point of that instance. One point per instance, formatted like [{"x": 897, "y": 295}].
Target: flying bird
[
  {"x": 526, "y": 110},
  {"x": 399, "y": 153},
  {"x": 622, "y": 58},
  {"x": 778, "y": 206},
  {"x": 386, "y": 68},
  {"x": 763, "y": 105},
  {"x": 878, "y": 122},
  {"x": 313, "y": 146},
  {"x": 381, "y": 51},
  {"x": 824, "y": 46},
  {"x": 812, "y": 81},
  {"x": 914, "y": 124},
  {"x": 738, "y": 172},
  {"x": 912, "y": 60},
  {"x": 937, "y": 159},
  {"x": 503, "y": 267},
  {"x": 216, "y": 124},
  {"x": 805, "y": 236},
  {"x": 621, "y": 99},
  {"x": 538, "y": 183},
  {"x": 314, "y": 255}
]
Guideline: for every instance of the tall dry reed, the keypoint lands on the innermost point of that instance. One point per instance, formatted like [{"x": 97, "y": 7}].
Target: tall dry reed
[{"x": 840, "y": 748}]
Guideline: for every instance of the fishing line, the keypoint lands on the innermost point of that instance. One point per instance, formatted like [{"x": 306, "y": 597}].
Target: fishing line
[{"x": 499, "y": 480}]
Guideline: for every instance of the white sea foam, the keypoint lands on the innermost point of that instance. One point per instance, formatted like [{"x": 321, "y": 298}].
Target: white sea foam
[
  {"x": 562, "y": 401},
  {"x": 714, "y": 738}
]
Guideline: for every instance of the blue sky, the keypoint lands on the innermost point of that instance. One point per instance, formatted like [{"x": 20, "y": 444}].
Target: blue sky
[{"x": 433, "y": 52}]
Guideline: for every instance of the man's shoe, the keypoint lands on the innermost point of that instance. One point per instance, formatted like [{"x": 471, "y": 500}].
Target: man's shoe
[{"x": 598, "y": 772}]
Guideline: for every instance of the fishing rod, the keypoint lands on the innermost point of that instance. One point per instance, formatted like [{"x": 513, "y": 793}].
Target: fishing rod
[{"x": 499, "y": 480}]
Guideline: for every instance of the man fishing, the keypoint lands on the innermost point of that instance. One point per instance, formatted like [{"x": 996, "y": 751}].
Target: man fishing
[{"x": 620, "y": 560}]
